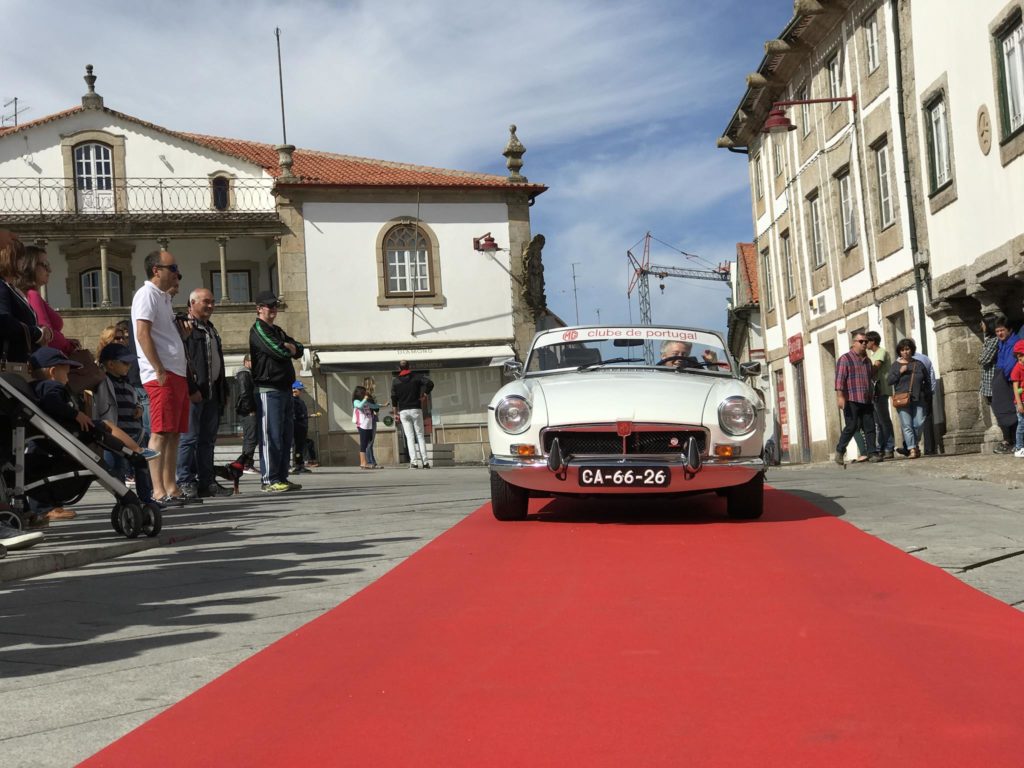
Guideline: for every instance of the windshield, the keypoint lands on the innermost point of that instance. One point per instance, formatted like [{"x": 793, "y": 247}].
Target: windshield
[{"x": 597, "y": 347}]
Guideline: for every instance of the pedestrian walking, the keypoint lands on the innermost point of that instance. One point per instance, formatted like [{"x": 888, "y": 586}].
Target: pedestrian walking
[
  {"x": 162, "y": 368},
  {"x": 272, "y": 351},
  {"x": 854, "y": 396},
  {"x": 371, "y": 391},
  {"x": 1002, "y": 391},
  {"x": 409, "y": 391},
  {"x": 881, "y": 363},
  {"x": 205, "y": 353},
  {"x": 911, "y": 389}
]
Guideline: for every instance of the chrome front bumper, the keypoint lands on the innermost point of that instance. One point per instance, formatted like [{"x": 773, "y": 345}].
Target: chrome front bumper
[{"x": 534, "y": 474}]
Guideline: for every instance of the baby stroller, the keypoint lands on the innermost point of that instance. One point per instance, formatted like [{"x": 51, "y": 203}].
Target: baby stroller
[{"x": 42, "y": 461}]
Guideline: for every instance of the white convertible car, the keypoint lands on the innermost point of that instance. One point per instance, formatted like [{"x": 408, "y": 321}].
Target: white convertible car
[{"x": 644, "y": 410}]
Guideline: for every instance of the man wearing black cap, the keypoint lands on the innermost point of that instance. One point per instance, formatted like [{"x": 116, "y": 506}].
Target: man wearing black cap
[{"x": 272, "y": 352}]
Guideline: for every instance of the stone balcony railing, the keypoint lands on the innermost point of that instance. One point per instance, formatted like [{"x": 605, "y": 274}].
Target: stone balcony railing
[{"x": 27, "y": 198}]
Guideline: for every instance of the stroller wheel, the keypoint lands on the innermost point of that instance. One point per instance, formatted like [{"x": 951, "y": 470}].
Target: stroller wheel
[
  {"x": 115, "y": 519},
  {"x": 129, "y": 520},
  {"x": 10, "y": 519},
  {"x": 152, "y": 519}
]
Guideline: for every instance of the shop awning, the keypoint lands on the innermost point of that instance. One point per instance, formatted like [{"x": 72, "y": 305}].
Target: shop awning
[{"x": 420, "y": 358}]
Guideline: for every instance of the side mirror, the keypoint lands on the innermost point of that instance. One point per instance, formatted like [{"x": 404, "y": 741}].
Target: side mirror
[
  {"x": 752, "y": 368},
  {"x": 513, "y": 369}
]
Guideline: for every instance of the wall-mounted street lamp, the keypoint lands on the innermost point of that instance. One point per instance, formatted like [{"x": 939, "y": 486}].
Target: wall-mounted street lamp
[
  {"x": 485, "y": 244},
  {"x": 777, "y": 121}
]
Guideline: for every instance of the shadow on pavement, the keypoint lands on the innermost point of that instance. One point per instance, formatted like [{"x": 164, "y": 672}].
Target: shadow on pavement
[{"x": 109, "y": 612}]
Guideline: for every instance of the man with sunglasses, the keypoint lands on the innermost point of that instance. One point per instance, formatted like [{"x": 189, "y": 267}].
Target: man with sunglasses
[
  {"x": 855, "y": 398},
  {"x": 162, "y": 368}
]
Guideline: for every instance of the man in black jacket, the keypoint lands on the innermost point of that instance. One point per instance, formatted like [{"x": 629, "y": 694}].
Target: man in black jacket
[
  {"x": 205, "y": 355},
  {"x": 408, "y": 391},
  {"x": 245, "y": 409},
  {"x": 272, "y": 352}
]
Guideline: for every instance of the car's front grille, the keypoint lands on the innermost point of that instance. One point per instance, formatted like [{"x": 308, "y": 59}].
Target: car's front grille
[{"x": 573, "y": 442}]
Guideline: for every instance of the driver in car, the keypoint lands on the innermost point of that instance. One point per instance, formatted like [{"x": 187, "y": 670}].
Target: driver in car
[{"x": 676, "y": 354}]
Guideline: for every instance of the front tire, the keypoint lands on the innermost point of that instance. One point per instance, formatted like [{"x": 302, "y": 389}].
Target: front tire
[
  {"x": 508, "y": 502},
  {"x": 746, "y": 502}
]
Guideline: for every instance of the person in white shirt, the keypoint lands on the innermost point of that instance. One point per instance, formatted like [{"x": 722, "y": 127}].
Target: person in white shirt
[{"x": 162, "y": 368}]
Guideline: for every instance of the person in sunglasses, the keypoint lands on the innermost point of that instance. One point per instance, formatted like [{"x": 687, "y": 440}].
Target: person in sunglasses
[
  {"x": 36, "y": 274},
  {"x": 855, "y": 398},
  {"x": 163, "y": 370}
]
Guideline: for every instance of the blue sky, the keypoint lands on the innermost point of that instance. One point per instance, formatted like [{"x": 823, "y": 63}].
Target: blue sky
[{"x": 618, "y": 104}]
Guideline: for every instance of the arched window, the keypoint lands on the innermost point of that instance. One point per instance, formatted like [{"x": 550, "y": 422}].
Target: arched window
[
  {"x": 221, "y": 188},
  {"x": 94, "y": 178},
  {"x": 92, "y": 294},
  {"x": 407, "y": 262}
]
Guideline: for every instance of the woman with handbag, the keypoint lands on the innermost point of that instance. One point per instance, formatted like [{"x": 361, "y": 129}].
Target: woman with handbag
[
  {"x": 20, "y": 332},
  {"x": 910, "y": 391}
]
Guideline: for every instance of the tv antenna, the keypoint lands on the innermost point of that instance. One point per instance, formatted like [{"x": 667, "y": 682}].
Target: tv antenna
[{"x": 14, "y": 115}]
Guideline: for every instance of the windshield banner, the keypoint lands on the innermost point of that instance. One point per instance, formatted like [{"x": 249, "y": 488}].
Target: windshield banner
[{"x": 643, "y": 333}]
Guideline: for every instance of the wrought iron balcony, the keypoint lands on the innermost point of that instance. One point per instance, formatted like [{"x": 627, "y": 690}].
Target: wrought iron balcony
[{"x": 219, "y": 197}]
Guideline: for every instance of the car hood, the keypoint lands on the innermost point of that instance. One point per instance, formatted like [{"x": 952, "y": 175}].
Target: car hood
[{"x": 605, "y": 396}]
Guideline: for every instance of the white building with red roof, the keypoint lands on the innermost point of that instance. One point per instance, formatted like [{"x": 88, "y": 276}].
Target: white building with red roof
[{"x": 373, "y": 260}]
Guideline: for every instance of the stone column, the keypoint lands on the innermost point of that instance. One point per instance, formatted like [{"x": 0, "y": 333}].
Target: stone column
[
  {"x": 958, "y": 402},
  {"x": 104, "y": 281},
  {"x": 222, "y": 248},
  {"x": 277, "y": 260}
]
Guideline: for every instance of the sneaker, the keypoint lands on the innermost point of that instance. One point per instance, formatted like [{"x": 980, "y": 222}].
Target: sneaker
[
  {"x": 172, "y": 501},
  {"x": 301, "y": 471},
  {"x": 12, "y": 538},
  {"x": 904, "y": 451},
  {"x": 189, "y": 490},
  {"x": 840, "y": 459},
  {"x": 875, "y": 458},
  {"x": 426, "y": 465},
  {"x": 149, "y": 454},
  {"x": 1002, "y": 448},
  {"x": 890, "y": 454},
  {"x": 414, "y": 464},
  {"x": 1019, "y": 453},
  {"x": 292, "y": 486},
  {"x": 276, "y": 488},
  {"x": 214, "y": 490}
]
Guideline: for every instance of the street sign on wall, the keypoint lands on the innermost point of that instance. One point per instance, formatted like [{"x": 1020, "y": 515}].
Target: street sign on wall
[{"x": 796, "y": 347}]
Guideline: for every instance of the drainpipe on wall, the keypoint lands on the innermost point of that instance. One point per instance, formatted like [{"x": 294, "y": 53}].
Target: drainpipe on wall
[{"x": 911, "y": 219}]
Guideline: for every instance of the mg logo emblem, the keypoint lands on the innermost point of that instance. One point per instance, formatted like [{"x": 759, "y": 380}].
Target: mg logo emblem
[
  {"x": 674, "y": 442},
  {"x": 624, "y": 428},
  {"x": 570, "y": 335}
]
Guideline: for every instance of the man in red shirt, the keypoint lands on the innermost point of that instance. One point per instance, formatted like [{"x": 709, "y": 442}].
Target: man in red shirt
[{"x": 855, "y": 398}]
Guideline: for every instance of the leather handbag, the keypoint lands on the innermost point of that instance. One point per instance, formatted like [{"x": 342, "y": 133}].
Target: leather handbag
[
  {"x": 18, "y": 369},
  {"x": 86, "y": 378},
  {"x": 902, "y": 399}
]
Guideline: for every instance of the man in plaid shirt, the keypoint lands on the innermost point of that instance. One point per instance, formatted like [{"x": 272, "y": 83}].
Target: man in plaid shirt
[{"x": 855, "y": 397}]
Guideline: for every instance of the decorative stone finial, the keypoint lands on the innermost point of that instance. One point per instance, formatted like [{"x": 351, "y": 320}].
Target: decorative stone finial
[
  {"x": 284, "y": 160},
  {"x": 513, "y": 153},
  {"x": 91, "y": 100}
]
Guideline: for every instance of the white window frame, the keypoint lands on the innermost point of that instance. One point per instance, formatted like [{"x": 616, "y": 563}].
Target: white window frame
[
  {"x": 1012, "y": 64},
  {"x": 886, "y": 214},
  {"x": 92, "y": 291},
  {"x": 847, "y": 210},
  {"x": 817, "y": 246},
  {"x": 871, "y": 42},
  {"x": 769, "y": 280},
  {"x": 835, "y": 79},
  {"x": 805, "y": 111},
  {"x": 777, "y": 154},
  {"x": 407, "y": 271},
  {"x": 787, "y": 261},
  {"x": 938, "y": 133},
  {"x": 758, "y": 178}
]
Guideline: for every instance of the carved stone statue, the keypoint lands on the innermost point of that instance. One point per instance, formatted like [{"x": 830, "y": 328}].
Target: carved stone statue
[{"x": 533, "y": 275}]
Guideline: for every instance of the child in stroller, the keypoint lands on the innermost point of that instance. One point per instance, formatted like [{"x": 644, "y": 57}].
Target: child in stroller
[{"x": 51, "y": 369}]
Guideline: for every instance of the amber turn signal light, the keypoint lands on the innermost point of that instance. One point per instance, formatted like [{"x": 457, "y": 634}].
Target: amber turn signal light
[
  {"x": 521, "y": 449},
  {"x": 727, "y": 451}
]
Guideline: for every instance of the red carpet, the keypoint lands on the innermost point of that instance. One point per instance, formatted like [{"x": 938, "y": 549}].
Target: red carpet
[{"x": 585, "y": 640}]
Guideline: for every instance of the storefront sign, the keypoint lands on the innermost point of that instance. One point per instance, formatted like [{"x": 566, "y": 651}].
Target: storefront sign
[{"x": 796, "y": 348}]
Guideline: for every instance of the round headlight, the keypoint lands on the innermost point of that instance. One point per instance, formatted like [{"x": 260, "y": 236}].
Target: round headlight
[
  {"x": 513, "y": 414},
  {"x": 736, "y": 415}
]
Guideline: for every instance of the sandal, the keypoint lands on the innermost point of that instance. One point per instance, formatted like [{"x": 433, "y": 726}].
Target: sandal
[{"x": 915, "y": 453}]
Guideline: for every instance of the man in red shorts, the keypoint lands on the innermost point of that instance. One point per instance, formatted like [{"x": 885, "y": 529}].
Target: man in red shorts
[{"x": 162, "y": 368}]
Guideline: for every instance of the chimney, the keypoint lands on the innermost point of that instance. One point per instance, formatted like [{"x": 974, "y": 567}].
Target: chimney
[{"x": 91, "y": 100}]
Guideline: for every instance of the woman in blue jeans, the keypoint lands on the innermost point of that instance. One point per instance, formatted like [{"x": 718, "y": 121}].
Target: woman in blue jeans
[{"x": 909, "y": 375}]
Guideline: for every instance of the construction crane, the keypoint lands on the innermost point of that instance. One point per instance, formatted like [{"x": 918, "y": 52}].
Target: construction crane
[{"x": 642, "y": 268}]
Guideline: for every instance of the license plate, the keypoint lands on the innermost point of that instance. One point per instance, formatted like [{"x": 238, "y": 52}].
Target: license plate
[{"x": 632, "y": 477}]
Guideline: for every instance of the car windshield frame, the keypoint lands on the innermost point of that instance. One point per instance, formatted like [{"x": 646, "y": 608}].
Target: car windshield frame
[{"x": 594, "y": 348}]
